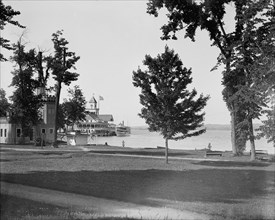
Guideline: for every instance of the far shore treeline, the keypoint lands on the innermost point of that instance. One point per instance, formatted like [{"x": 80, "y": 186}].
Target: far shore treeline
[{"x": 207, "y": 126}]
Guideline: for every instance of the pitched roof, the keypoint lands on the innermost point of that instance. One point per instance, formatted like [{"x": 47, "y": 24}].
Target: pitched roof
[
  {"x": 93, "y": 100},
  {"x": 106, "y": 117},
  {"x": 90, "y": 116}
]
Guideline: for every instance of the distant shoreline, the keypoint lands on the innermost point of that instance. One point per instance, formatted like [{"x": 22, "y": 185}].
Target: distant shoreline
[{"x": 207, "y": 126}]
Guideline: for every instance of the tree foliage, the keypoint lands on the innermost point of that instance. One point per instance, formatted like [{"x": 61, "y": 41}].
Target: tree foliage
[
  {"x": 63, "y": 61},
  {"x": 4, "y": 104},
  {"x": 264, "y": 68},
  {"x": 25, "y": 103},
  {"x": 6, "y": 16},
  {"x": 267, "y": 129},
  {"x": 61, "y": 122},
  {"x": 168, "y": 106},
  {"x": 74, "y": 108}
]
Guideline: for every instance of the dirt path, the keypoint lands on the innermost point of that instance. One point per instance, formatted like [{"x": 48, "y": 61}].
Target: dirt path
[{"x": 102, "y": 207}]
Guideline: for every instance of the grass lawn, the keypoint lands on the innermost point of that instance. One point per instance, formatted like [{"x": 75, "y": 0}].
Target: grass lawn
[
  {"x": 14, "y": 208},
  {"x": 222, "y": 189},
  {"x": 18, "y": 208}
]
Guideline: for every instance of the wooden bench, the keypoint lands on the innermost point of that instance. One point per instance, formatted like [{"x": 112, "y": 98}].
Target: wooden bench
[
  {"x": 159, "y": 147},
  {"x": 261, "y": 154},
  {"x": 213, "y": 153}
]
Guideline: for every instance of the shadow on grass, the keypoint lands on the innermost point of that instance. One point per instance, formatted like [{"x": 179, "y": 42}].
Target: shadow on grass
[
  {"x": 138, "y": 186},
  {"x": 5, "y": 160},
  {"x": 46, "y": 153},
  {"x": 232, "y": 164}
]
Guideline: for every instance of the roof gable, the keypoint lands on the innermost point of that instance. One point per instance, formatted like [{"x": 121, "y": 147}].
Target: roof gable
[
  {"x": 90, "y": 116},
  {"x": 106, "y": 117}
]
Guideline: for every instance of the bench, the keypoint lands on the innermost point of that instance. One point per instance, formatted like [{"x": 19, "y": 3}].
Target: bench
[
  {"x": 213, "y": 153},
  {"x": 261, "y": 154},
  {"x": 159, "y": 147}
]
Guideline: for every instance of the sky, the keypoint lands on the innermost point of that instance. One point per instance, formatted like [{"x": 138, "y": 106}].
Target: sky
[{"x": 112, "y": 39}]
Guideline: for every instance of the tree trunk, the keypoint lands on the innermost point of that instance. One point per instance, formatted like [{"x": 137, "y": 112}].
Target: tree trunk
[
  {"x": 252, "y": 140},
  {"x": 166, "y": 150},
  {"x": 232, "y": 109},
  {"x": 233, "y": 132},
  {"x": 58, "y": 89},
  {"x": 273, "y": 101}
]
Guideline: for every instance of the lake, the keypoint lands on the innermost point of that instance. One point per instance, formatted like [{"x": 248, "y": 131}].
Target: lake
[{"x": 218, "y": 135}]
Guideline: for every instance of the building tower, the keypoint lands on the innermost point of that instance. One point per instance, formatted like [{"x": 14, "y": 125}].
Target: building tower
[
  {"x": 45, "y": 129},
  {"x": 93, "y": 108}
]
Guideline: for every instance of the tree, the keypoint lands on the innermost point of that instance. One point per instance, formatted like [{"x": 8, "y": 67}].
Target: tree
[
  {"x": 209, "y": 15},
  {"x": 74, "y": 108},
  {"x": 6, "y": 16},
  {"x": 168, "y": 106},
  {"x": 62, "y": 65},
  {"x": 26, "y": 104},
  {"x": 251, "y": 58},
  {"x": 4, "y": 104}
]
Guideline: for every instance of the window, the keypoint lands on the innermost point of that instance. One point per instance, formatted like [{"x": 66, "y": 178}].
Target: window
[
  {"x": 5, "y": 135},
  {"x": 51, "y": 130},
  {"x": 51, "y": 111},
  {"x": 18, "y": 132},
  {"x": 43, "y": 131},
  {"x": 1, "y": 133}
]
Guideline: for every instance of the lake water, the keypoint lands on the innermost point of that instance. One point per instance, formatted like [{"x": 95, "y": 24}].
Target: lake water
[{"x": 217, "y": 135}]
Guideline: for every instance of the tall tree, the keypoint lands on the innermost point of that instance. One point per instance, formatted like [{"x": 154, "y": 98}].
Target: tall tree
[
  {"x": 168, "y": 106},
  {"x": 251, "y": 58},
  {"x": 4, "y": 104},
  {"x": 26, "y": 104},
  {"x": 62, "y": 65},
  {"x": 209, "y": 15},
  {"x": 74, "y": 108},
  {"x": 6, "y": 16}
]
